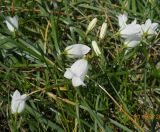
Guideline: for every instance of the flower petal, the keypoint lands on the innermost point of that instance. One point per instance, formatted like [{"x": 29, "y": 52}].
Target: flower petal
[
  {"x": 12, "y": 23},
  {"x": 79, "y": 68},
  {"x": 18, "y": 102},
  {"x": 15, "y": 21},
  {"x": 77, "y": 82},
  {"x": 154, "y": 26},
  {"x": 21, "y": 106},
  {"x": 148, "y": 23},
  {"x": 132, "y": 41},
  {"x": 131, "y": 29},
  {"x": 16, "y": 95},
  {"x": 68, "y": 74},
  {"x": 77, "y": 72},
  {"x": 122, "y": 19},
  {"x": 10, "y": 27}
]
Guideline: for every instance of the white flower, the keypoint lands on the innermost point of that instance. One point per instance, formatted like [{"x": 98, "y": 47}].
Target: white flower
[
  {"x": 130, "y": 30},
  {"x": 77, "y": 50},
  {"x": 91, "y": 25},
  {"x": 96, "y": 48},
  {"x": 149, "y": 27},
  {"x": 132, "y": 41},
  {"x": 122, "y": 19},
  {"x": 18, "y": 102},
  {"x": 12, "y": 23},
  {"x": 54, "y": 4},
  {"x": 77, "y": 72},
  {"x": 103, "y": 30}
]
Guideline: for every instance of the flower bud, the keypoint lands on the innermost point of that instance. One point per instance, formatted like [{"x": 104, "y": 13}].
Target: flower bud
[
  {"x": 96, "y": 48},
  {"x": 103, "y": 30},
  {"x": 91, "y": 25},
  {"x": 151, "y": 1},
  {"x": 158, "y": 65}
]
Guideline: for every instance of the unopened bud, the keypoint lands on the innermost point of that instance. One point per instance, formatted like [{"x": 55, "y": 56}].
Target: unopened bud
[
  {"x": 103, "y": 30},
  {"x": 96, "y": 48},
  {"x": 152, "y": 1},
  {"x": 158, "y": 65},
  {"x": 91, "y": 25}
]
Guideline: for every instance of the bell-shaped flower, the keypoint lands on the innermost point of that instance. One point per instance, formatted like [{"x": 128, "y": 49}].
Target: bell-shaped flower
[
  {"x": 77, "y": 72},
  {"x": 149, "y": 28},
  {"x": 12, "y": 23},
  {"x": 18, "y": 102},
  {"x": 77, "y": 50},
  {"x": 132, "y": 29},
  {"x": 122, "y": 19}
]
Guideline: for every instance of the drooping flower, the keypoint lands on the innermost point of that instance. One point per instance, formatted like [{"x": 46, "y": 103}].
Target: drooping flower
[
  {"x": 96, "y": 48},
  {"x": 149, "y": 28},
  {"x": 122, "y": 19},
  {"x": 18, "y": 102},
  {"x": 12, "y": 23},
  {"x": 91, "y": 25},
  {"x": 77, "y": 72},
  {"x": 77, "y": 50},
  {"x": 103, "y": 30}
]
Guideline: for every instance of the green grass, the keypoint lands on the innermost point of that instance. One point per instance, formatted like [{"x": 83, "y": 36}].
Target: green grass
[{"x": 122, "y": 92}]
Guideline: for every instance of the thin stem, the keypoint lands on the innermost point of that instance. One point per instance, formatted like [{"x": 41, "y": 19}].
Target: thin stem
[{"x": 121, "y": 109}]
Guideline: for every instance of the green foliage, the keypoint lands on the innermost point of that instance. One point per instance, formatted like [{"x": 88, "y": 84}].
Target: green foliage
[{"x": 122, "y": 91}]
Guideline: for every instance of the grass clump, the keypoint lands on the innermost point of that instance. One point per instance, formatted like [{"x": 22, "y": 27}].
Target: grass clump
[{"x": 122, "y": 86}]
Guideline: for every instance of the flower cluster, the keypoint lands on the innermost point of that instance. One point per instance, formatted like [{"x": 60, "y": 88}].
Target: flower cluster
[
  {"x": 78, "y": 70},
  {"x": 133, "y": 32}
]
